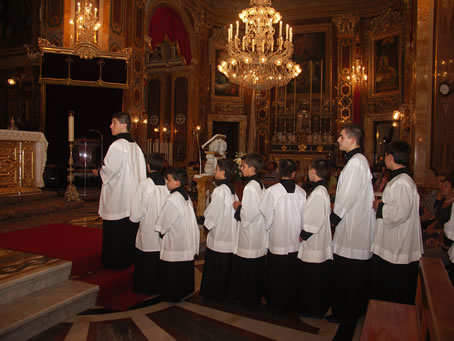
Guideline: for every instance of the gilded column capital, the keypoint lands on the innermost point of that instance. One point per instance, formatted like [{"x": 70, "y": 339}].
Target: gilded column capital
[{"x": 346, "y": 25}]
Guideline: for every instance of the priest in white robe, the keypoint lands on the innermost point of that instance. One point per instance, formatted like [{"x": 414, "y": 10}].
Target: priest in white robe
[
  {"x": 398, "y": 244},
  {"x": 353, "y": 218},
  {"x": 122, "y": 171}
]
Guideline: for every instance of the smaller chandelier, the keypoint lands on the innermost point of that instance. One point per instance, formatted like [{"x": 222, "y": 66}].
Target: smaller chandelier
[
  {"x": 358, "y": 72},
  {"x": 258, "y": 60},
  {"x": 86, "y": 23}
]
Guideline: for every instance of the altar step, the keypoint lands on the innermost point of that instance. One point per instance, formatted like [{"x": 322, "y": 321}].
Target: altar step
[
  {"x": 33, "y": 300},
  {"x": 27, "y": 205}
]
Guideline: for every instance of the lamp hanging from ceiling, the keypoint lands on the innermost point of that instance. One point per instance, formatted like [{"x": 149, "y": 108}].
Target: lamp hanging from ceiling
[{"x": 258, "y": 60}]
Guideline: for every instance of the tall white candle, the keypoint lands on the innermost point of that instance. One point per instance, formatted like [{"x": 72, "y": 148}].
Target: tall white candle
[
  {"x": 237, "y": 27},
  {"x": 71, "y": 128},
  {"x": 286, "y": 32},
  {"x": 280, "y": 28}
]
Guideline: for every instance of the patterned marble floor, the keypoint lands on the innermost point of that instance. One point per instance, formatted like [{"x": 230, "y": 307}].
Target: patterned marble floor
[{"x": 192, "y": 319}]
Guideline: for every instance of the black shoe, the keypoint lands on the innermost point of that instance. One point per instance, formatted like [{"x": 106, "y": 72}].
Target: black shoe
[{"x": 333, "y": 319}]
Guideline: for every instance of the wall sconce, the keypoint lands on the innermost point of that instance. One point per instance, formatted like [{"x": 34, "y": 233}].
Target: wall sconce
[
  {"x": 358, "y": 72},
  {"x": 404, "y": 116}
]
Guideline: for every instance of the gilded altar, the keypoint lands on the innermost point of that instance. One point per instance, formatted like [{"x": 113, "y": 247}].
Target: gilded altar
[{"x": 23, "y": 156}]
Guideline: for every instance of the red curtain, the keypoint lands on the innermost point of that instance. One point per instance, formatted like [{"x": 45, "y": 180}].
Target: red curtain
[
  {"x": 165, "y": 22},
  {"x": 357, "y": 104}
]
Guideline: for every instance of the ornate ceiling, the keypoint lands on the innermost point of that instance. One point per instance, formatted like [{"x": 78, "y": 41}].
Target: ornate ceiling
[{"x": 295, "y": 10}]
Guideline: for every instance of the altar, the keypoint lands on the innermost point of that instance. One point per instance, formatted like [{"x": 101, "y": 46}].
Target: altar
[{"x": 23, "y": 156}]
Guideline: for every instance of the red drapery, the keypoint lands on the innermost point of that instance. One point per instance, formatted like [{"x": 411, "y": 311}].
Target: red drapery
[
  {"x": 357, "y": 104},
  {"x": 165, "y": 22}
]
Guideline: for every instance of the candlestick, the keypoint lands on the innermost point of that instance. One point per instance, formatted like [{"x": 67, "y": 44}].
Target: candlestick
[
  {"x": 253, "y": 43},
  {"x": 70, "y": 126},
  {"x": 71, "y": 193}
]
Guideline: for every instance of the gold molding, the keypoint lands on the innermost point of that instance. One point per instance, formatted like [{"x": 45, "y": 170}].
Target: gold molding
[{"x": 346, "y": 24}]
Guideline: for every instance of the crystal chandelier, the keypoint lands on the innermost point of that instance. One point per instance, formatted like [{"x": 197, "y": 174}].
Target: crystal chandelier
[
  {"x": 358, "y": 72},
  {"x": 258, "y": 60},
  {"x": 86, "y": 23}
]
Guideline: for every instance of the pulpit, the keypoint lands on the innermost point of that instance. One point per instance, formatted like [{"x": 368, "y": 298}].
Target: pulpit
[
  {"x": 23, "y": 156},
  {"x": 205, "y": 186}
]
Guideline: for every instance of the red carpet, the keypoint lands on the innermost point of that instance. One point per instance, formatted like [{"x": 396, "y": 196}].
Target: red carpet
[
  {"x": 80, "y": 245},
  {"x": 115, "y": 288}
]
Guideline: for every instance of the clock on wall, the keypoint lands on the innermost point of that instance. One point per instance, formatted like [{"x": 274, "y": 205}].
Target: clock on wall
[{"x": 444, "y": 89}]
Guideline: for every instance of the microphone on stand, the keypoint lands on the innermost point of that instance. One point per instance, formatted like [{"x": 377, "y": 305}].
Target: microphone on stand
[{"x": 102, "y": 143}]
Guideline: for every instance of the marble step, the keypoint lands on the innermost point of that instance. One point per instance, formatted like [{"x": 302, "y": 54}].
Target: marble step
[
  {"x": 32, "y": 274},
  {"x": 32, "y": 314}
]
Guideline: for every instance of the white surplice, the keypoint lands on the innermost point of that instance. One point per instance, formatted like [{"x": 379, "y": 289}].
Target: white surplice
[
  {"x": 283, "y": 215},
  {"x": 178, "y": 223},
  {"x": 252, "y": 236},
  {"x": 219, "y": 219},
  {"x": 354, "y": 199},
  {"x": 317, "y": 248},
  {"x": 122, "y": 172},
  {"x": 398, "y": 236},
  {"x": 146, "y": 205}
]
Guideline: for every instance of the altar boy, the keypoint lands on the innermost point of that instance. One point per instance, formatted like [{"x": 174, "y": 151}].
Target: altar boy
[
  {"x": 397, "y": 245},
  {"x": 282, "y": 208},
  {"x": 222, "y": 235},
  {"x": 145, "y": 208},
  {"x": 180, "y": 239},
  {"x": 249, "y": 263},
  {"x": 315, "y": 251}
]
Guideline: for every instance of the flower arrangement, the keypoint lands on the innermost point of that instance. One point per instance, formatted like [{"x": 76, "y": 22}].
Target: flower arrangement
[{"x": 237, "y": 160}]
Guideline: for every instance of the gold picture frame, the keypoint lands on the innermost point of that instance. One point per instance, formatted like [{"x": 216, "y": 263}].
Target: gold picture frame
[
  {"x": 385, "y": 64},
  {"x": 221, "y": 88}
]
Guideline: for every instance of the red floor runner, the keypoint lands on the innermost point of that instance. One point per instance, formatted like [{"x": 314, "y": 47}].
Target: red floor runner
[
  {"x": 80, "y": 245},
  {"x": 115, "y": 288}
]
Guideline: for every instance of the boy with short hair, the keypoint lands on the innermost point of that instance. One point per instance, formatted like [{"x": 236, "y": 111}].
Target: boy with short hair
[
  {"x": 397, "y": 246},
  {"x": 177, "y": 224},
  {"x": 315, "y": 251},
  {"x": 282, "y": 208},
  {"x": 252, "y": 244},
  {"x": 222, "y": 235},
  {"x": 145, "y": 208}
]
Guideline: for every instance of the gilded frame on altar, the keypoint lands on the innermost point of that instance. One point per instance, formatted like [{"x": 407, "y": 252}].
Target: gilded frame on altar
[
  {"x": 385, "y": 64},
  {"x": 312, "y": 45},
  {"x": 222, "y": 89}
]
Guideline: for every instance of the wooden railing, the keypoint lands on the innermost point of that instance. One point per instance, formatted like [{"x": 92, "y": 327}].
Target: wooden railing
[{"x": 431, "y": 318}]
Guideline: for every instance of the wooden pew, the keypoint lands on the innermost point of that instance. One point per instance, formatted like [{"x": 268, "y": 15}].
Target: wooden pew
[{"x": 431, "y": 318}]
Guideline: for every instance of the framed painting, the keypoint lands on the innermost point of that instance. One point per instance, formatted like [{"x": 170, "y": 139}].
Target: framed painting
[
  {"x": 385, "y": 64},
  {"x": 221, "y": 87},
  {"x": 312, "y": 51}
]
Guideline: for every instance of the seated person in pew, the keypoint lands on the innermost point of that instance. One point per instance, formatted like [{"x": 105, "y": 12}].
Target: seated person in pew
[{"x": 397, "y": 245}]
